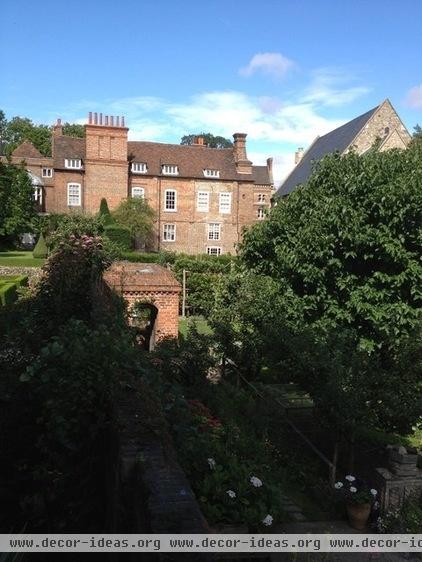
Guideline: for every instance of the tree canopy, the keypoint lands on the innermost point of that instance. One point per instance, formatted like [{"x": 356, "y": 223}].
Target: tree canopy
[
  {"x": 18, "y": 129},
  {"x": 138, "y": 217},
  {"x": 17, "y": 209},
  {"x": 348, "y": 244},
  {"x": 209, "y": 139}
]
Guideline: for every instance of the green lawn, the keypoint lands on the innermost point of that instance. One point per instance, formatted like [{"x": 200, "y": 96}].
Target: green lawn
[
  {"x": 200, "y": 322},
  {"x": 16, "y": 258}
]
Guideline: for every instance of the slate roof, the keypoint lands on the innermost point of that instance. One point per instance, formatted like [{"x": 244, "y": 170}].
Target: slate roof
[
  {"x": 337, "y": 140},
  {"x": 27, "y": 150}
]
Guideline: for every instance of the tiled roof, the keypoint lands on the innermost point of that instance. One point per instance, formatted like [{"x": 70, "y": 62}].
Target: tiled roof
[
  {"x": 26, "y": 150},
  {"x": 67, "y": 147},
  {"x": 260, "y": 175},
  {"x": 192, "y": 160},
  {"x": 337, "y": 140}
]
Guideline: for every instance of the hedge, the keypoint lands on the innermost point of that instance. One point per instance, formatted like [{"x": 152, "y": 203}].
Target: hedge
[
  {"x": 8, "y": 288},
  {"x": 120, "y": 235}
]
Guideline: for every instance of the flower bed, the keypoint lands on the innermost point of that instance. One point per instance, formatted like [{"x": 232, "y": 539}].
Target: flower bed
[{"x": 231, "y": 472}]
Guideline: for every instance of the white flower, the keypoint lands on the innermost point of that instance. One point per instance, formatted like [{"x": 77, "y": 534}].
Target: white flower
[
  {"x": 268, "y": 520},
  {"x": 350, "y": 478},
  {"x": 338, "y": 485},
  {"x": 353, "y": 489},
  {"x": 211, "y": 463},
  {"x": 373, "y": 492},
  {"x": 256, "y": 482},
  {"x": 231, "y": 494}
]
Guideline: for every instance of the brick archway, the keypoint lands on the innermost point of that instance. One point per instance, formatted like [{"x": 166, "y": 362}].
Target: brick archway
[{"x": 151, "y": 284}]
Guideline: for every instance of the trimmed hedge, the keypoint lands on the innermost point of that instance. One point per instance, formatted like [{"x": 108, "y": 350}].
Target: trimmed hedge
[
  {"x": 40, "y": 250},
  {"x": 120, "y": 235},
  {"x": 9, "y": 286}
]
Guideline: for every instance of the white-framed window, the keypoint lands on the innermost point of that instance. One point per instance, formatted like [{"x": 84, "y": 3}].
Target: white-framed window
[
  {"x": 214, "y": 251},
  {"x": 214, "y": 231},
  {"x": 170, "y": 200},
  {"x": 261, "y": 198},
  {"x": 74, "y": 194},
  {"x": 261, "y": 214},
  {"x": 38, "y": 194},
  {"x": 208, "y": 173},
  {"x": 203, "y": 201},
  {"x": 225, "y": 202},
  {"x": 170, "y": 170},
  {"x": 139, "y": 168},
  {"x": 47, "y": 172},
  {"x": 169, "y": 232},
  {"x": 138, "y": 192},
  {"x": 74, "y": 163}
]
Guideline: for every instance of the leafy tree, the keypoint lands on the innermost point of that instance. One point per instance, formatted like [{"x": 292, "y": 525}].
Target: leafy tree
[
  {"x": 138, "y": 217},
  {"x": 348, "y": 245},
  {"x": 17, "y": 208},
  {"x": 417, "y": 131},
  {"x": 209, "y": 139},
  {"x": 74, "y": 130},
  {"x": 19, "y": 129}
]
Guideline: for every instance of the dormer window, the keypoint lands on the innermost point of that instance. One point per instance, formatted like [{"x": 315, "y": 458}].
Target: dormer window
[
  {"x": 139, "y": 168},
  {"x": 47, "y": 172},
  {"x": 170, "y": 170},
  {"x": 73, "y": 163},
  {"x": 208, "y": 173}
]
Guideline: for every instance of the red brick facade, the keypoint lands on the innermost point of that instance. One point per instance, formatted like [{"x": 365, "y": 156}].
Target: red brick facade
[
  {"x": 152, "y": 285},
  {"x": 216, "y": 192}
]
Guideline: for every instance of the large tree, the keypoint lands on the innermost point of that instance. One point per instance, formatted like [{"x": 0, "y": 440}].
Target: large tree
[
  {"x": 348, "y": 244},
  {"x": 17, "y": 209},
  {"x": 209, "y": 139},
  {"x": 18, "y": 129},
  {"x": 138, "y": 217}
]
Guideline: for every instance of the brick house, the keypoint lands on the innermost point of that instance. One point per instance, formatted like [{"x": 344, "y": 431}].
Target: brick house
[
  {"x": 203, "y": 197},
  {"x": 380, "y": 125}
]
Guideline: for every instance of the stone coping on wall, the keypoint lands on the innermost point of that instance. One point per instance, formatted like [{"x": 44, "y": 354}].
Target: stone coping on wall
[{"x": 129, "y": 277}]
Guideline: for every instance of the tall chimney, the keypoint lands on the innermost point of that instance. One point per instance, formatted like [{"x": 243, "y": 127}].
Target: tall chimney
[
  {"x": 58, "y": 128},
  {"x": 270, "y": 169},
  {"x": 243, "y": 165},
  {"x": 298, "y": 154}
]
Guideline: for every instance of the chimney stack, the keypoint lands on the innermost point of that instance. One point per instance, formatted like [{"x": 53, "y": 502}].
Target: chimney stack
[
  {"x": 101, "y": 120},
  {"x": 243, "y": 165},
  {"x": 58, "y": 128},
  {"x": 270, "y": 169},
  {"x": 298, "y": 154},
  {"x": 199, "y": 140}
]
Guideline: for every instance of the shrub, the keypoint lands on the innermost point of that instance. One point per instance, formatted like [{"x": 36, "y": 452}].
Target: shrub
[
  {"x": 8, "y": 293},
  {"x": 40, "y": 250},
  {"x": 105, "y": 212},
  {"x": 120, "y": 235}
]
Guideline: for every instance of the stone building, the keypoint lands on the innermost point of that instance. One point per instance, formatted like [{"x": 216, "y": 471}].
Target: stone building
[
  {"x": 203, "y": 197},
  {"x": 380, "y": 125}
]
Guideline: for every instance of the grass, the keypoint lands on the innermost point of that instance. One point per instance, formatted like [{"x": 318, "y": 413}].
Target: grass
[
  {"x": 16, "y": 258},
  {"x": 199, "y": 321}
]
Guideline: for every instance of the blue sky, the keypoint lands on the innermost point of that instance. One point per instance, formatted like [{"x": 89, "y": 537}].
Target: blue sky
[{"x": 282, "y": 71}]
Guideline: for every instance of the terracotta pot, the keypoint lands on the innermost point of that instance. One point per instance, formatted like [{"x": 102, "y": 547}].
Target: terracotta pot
[{"x": 358, "y": 514}]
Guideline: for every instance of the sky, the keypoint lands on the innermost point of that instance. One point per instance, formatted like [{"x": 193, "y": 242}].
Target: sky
[{"x": 282, "y": 71}]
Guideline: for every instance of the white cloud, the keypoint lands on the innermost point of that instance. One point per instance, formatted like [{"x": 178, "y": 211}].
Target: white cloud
[
  {"x": 272, "y": 64},
  {"x": 414, "y": 97},
  {"x": 332, "y": 87}
]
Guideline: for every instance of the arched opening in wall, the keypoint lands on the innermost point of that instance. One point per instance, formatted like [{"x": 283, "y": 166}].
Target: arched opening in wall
[{"x": 143, "y": 316}]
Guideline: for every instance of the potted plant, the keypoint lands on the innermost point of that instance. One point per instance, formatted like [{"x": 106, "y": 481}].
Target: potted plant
[{"x": 359, "y": 497}]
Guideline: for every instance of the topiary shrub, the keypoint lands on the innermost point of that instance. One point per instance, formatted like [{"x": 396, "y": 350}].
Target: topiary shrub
[
  {"x": 105, "y": 212},
  {"x": 120, "y": 235},
  {"x": 8, "y": 293},
  {"x": 40, "y": 250}
]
